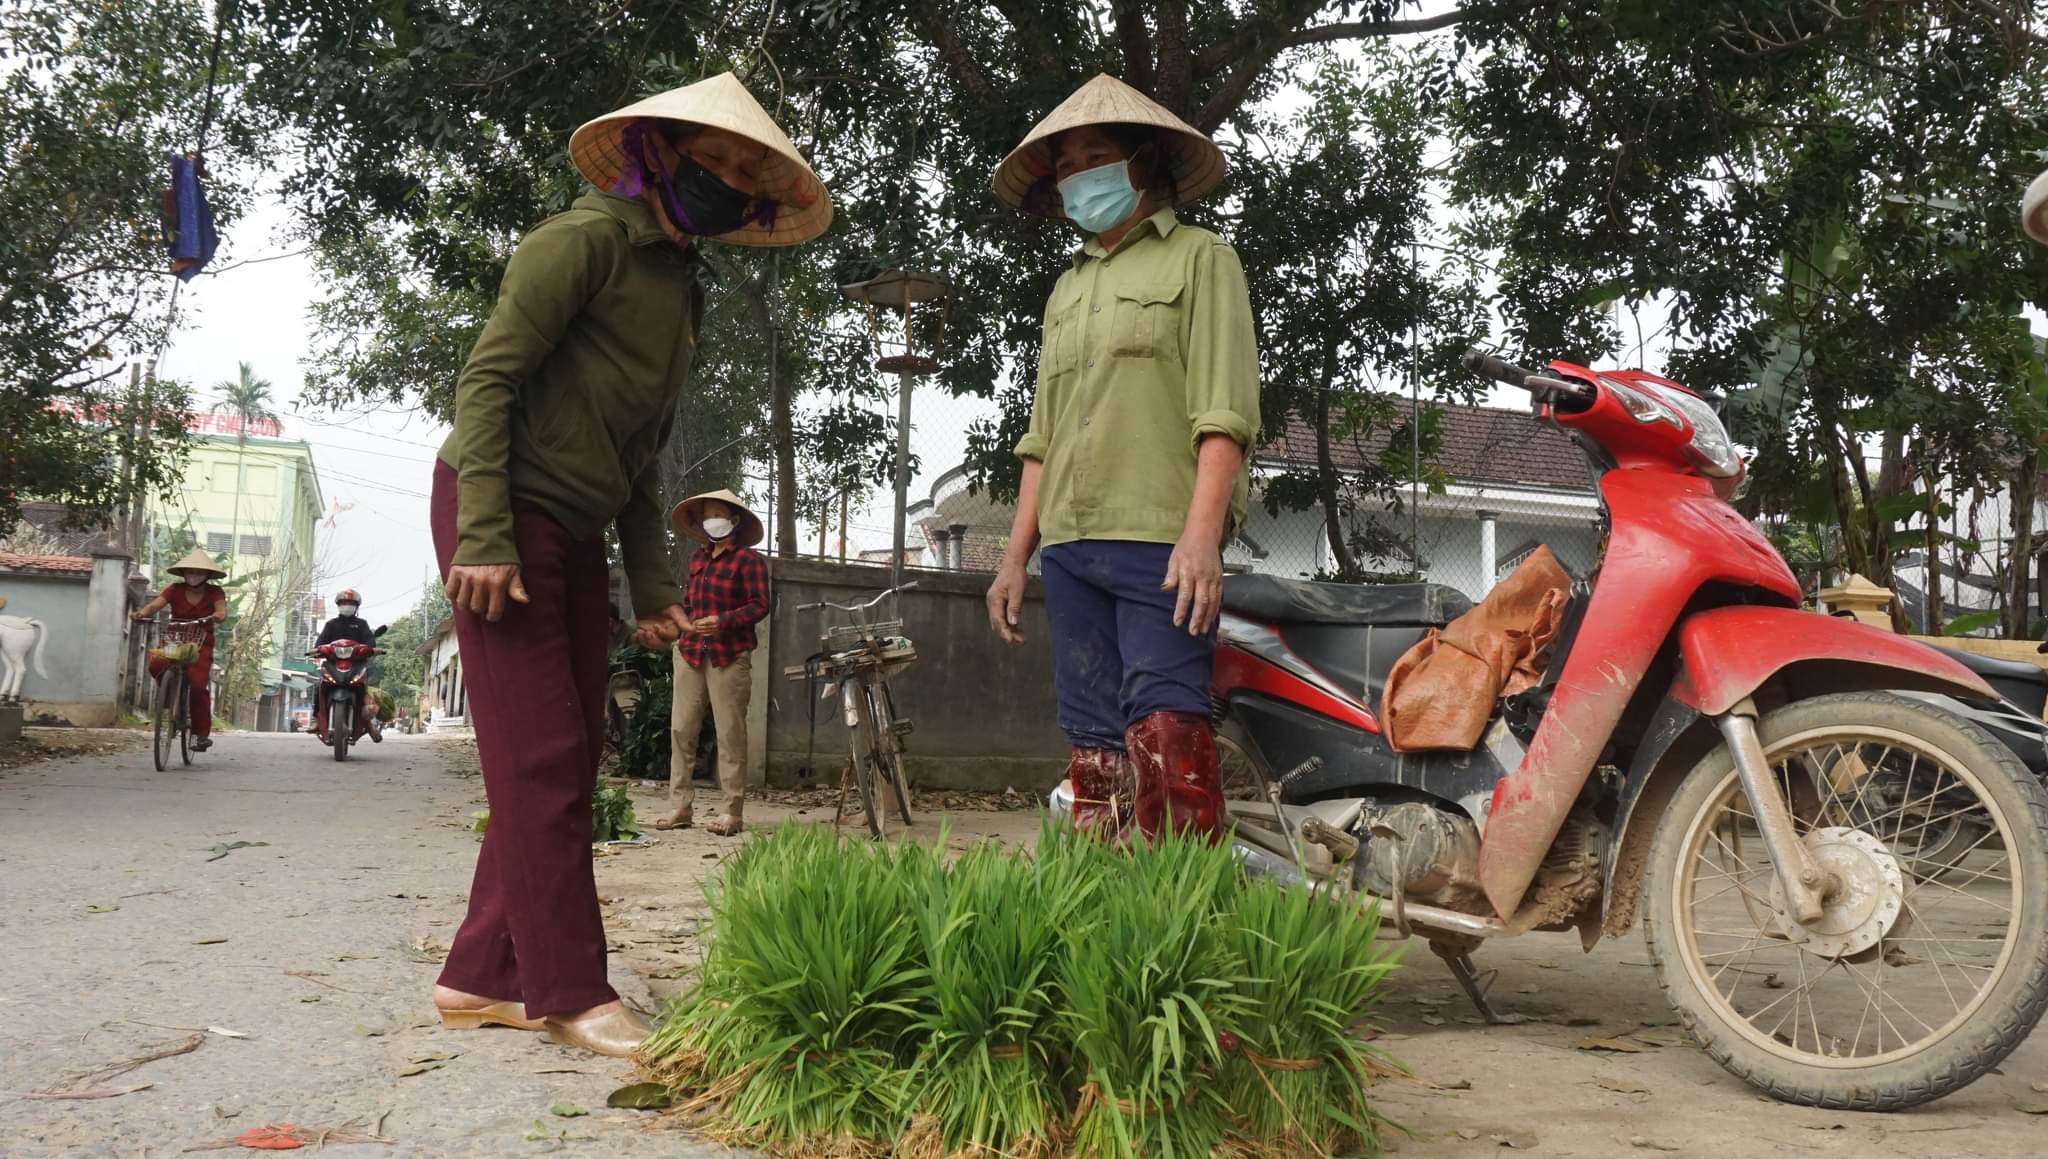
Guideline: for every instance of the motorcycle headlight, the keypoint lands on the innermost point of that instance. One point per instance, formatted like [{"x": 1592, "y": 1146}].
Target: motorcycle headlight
[
  {"x": 1713, "y": 452},
  {"x": 345, "y": 651},
  {"x": 1644, "y": 408}
]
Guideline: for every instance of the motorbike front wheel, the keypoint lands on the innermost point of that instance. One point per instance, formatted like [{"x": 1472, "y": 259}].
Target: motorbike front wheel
[
  {"x": 341, "y": 726},
  {"x": 1919, "y": 976}
]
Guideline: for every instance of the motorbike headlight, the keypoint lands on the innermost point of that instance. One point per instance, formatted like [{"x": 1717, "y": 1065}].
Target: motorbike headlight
[
  {"x": 345, "y": 651},
  {"x": 1713, "y": 452},
  {"x": 1644, "y": 408}
]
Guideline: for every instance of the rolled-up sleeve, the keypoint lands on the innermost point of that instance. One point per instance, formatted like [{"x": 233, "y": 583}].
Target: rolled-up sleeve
[
  {"x": 553, "y": 274},
  {"x": 1222, "y": 350}
]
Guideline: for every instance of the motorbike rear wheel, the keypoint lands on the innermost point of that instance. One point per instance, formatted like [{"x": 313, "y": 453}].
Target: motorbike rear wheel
[{"x": 1918, "y": 978}]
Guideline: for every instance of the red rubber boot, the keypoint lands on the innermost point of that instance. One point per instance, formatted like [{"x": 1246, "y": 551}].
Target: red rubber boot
[
  {"x": 1102, "y": 794},
  {"x": 1179, "y": 784}
]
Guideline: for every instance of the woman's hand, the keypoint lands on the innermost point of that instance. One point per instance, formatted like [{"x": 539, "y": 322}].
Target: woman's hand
[
  {"x": 661, "y": 629},
  {"x": 483, "y": 588},
  {"x": 1006, "y": 602},
  {"x": 1195, "y": 571}
]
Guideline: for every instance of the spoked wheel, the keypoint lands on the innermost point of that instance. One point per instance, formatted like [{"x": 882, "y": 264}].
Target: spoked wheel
[
  {"x": 892, "y": 744},
  {"x": 868, "y": 767},
  {"x": 162, "y": 712},
  {"x": 1920, "y": 975},
  {"x": 184, "y": 698}
]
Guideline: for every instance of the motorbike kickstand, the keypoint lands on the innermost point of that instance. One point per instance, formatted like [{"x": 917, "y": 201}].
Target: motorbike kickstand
[{"x": 1474, "y": 983}]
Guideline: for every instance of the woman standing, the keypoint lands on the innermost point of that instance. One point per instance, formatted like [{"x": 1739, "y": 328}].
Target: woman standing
[
  {"x": 195, "y": 597},
  {"x": 1134, "y": 465},
  {"x": 560, "y": 413}
]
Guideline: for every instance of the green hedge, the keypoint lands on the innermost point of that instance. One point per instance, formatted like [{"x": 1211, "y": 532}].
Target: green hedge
[{"x": 863, "y": 999}]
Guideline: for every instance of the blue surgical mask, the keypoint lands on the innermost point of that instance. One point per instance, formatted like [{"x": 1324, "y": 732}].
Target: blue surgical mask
[{"x": 1099, "y": 198}]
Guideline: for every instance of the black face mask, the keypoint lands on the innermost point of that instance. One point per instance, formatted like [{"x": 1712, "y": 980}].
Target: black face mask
[{"x": 701, "y": 204}]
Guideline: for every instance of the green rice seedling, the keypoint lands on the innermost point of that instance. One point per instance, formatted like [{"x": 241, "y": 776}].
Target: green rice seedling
[
  {"x": 1313, "y": 970},
  {"x": 1146, "y": 982},
  {"x": 987, "y": 1074},
  {"x": 803, "y": 1002}
]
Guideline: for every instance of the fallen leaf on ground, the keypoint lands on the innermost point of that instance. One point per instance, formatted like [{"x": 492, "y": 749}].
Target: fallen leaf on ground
[
  {"x": 1661, "y": 1036},
  {"x": 101, "y": 909},
  {"x": 1467, "y": 1134},
  {"x": 1455, "y": 1085},
  {"x": 567, "y": 1111},
  {"x": 208, "y": 941},
  {"x": 1517, "y": 1141},
  {"x": 220, "y": 851},
  {"x": 1432, "y": 1020},
  {"x": 420, "y": 1069},
  {"x": 559, "y": 1070},
  {"x": 1649, "y": 1144},
  {"x": 2031, "y": 1106},
  {"x": 224, "y": 1032},
  {"x": 2039, "y": 1088},
  {"x": 640, "y": 1097},
  {"x": 426, "y": 948},
  {"x": 1528, "y": 988},
  {"x": 1622, "y": 1086},
  {"x": 448, "y": 1057},
  {"x": 1616, "y": 1045}
]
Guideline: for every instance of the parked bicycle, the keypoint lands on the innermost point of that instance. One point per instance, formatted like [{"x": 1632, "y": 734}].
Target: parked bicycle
[
  {"x": 170, "y": 701},
  {"x": 856, "y": 660}
]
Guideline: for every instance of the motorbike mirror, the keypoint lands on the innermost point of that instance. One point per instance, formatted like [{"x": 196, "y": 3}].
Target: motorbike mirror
[{"x": 380, "y": 631}]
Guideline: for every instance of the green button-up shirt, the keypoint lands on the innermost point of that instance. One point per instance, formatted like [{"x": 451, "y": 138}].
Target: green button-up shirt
[
  {"x": 569, "y": 393},
  {"x": 1147, "y": 350}
]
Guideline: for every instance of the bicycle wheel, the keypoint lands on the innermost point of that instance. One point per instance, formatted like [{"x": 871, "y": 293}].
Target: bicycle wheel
[
  {"x": 867, "y": 766},
  {"x": 185, "y": 721},
  {"x": 160, "y": 710},
  {"x": 892, "y": 744}
]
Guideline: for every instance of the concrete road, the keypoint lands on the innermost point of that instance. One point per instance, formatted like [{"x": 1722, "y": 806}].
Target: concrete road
[
  {"x": 112, "y": 915},
  {"x": 318, "y": 945}
]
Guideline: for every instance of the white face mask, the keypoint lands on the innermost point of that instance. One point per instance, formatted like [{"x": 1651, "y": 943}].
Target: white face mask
[
  {"x": 717, "y": 528},
  {"x": 346, "y": 609}
]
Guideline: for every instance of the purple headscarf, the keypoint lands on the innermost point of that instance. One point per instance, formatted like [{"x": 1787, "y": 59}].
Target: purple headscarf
[{"x": 640, "y": 162}]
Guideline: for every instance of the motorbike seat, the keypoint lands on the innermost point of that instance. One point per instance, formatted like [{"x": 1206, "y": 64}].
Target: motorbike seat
[
  {"x": 1273, "y": 600},
  {"x": 1991, "y": 666}
]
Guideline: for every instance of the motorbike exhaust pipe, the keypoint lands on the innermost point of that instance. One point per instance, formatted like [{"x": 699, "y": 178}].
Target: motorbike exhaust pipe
[{"x": 1422, "y": 919}]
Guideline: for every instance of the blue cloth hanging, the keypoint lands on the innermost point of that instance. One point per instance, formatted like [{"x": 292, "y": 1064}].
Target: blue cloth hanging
[{"x": 188, "y": 220}]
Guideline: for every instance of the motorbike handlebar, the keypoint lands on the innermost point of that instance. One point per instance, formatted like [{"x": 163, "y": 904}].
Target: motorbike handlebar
[{"x": 1486, "y": 365}]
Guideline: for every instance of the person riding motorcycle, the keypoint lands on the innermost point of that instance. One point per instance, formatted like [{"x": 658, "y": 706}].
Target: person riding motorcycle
[{"x": 346, "y": 625}]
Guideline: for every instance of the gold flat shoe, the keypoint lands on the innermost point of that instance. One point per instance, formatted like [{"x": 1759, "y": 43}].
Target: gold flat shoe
[
  {"x": 512, "y": 1014},
  {"x": 617, "y": 1034}
]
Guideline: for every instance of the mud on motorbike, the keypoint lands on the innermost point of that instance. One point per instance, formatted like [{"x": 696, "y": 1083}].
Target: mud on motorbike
[{"x": 1841, "y": 874}]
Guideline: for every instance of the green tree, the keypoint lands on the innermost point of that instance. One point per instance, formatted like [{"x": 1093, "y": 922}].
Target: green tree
[
  {"x": 246, "y": 397},
  {"x": 97, "y": 96}
]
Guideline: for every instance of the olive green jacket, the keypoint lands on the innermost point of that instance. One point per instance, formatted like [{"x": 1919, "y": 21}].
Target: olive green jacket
[
  {"x": 1148, "y": 350},
  {"x": 570, "y": 391}
]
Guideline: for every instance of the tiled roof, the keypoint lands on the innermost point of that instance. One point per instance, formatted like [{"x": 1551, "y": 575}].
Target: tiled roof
[
  {"x": 1481, "y": 445},
  {"x": 81, "y": 564}
]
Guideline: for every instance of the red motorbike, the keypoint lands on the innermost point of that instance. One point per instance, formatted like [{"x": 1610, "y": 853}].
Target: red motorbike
[
  {"x": 345, "y": 688},
  {"x": 1774, "y": 793}
]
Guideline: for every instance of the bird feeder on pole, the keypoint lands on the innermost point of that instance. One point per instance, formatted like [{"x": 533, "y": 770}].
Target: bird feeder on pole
[{"x": 907, "y": 322}]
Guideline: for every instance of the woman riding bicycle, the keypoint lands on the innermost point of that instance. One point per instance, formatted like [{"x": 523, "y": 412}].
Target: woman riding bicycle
[{"x": 195, "y": 598}]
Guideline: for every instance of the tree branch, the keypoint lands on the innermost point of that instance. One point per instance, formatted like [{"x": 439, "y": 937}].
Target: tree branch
[
  {"x": 961, "y": 65},
  {"x": 1257, "y": 46},
  {"x": 1136, "y": 41}
]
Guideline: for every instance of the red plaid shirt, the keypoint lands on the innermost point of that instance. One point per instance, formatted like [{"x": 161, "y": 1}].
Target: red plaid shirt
[{"x": 732, "y": 585}]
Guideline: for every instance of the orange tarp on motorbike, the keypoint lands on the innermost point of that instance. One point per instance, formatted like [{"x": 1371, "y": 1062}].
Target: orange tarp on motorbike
[{"x": 1441, "y": 692}]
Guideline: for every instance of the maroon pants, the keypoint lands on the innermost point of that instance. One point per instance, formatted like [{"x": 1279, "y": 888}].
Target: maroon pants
[{"x": 536, "y": 682}]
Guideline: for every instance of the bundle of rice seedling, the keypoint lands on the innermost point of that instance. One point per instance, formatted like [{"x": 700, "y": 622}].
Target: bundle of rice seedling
[
  {"x": 1313, "y": 970},
  {"x": 1146, "y": 983},
  {"x": 986, "y": 1079},
  {"x": 803, "y": 1001}
]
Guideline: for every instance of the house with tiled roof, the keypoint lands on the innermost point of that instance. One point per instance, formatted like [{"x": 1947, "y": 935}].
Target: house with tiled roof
[{"x": 1513, "y": 484}]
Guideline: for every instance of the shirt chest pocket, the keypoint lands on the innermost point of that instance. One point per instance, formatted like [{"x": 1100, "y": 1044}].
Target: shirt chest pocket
[
  {"x": 1062, "y": 352},
  {"x": 1147, "y": 322}
]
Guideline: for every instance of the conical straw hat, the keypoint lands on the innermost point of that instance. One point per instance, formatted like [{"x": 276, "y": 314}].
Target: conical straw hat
[
  {"x": 688, "y": 518},
  {"x": 197, "y": 560},
  {"x": 722, "y": 103},
  {"x": 2034, "y": 210},
  {"x": 1024, "y": 179}
]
